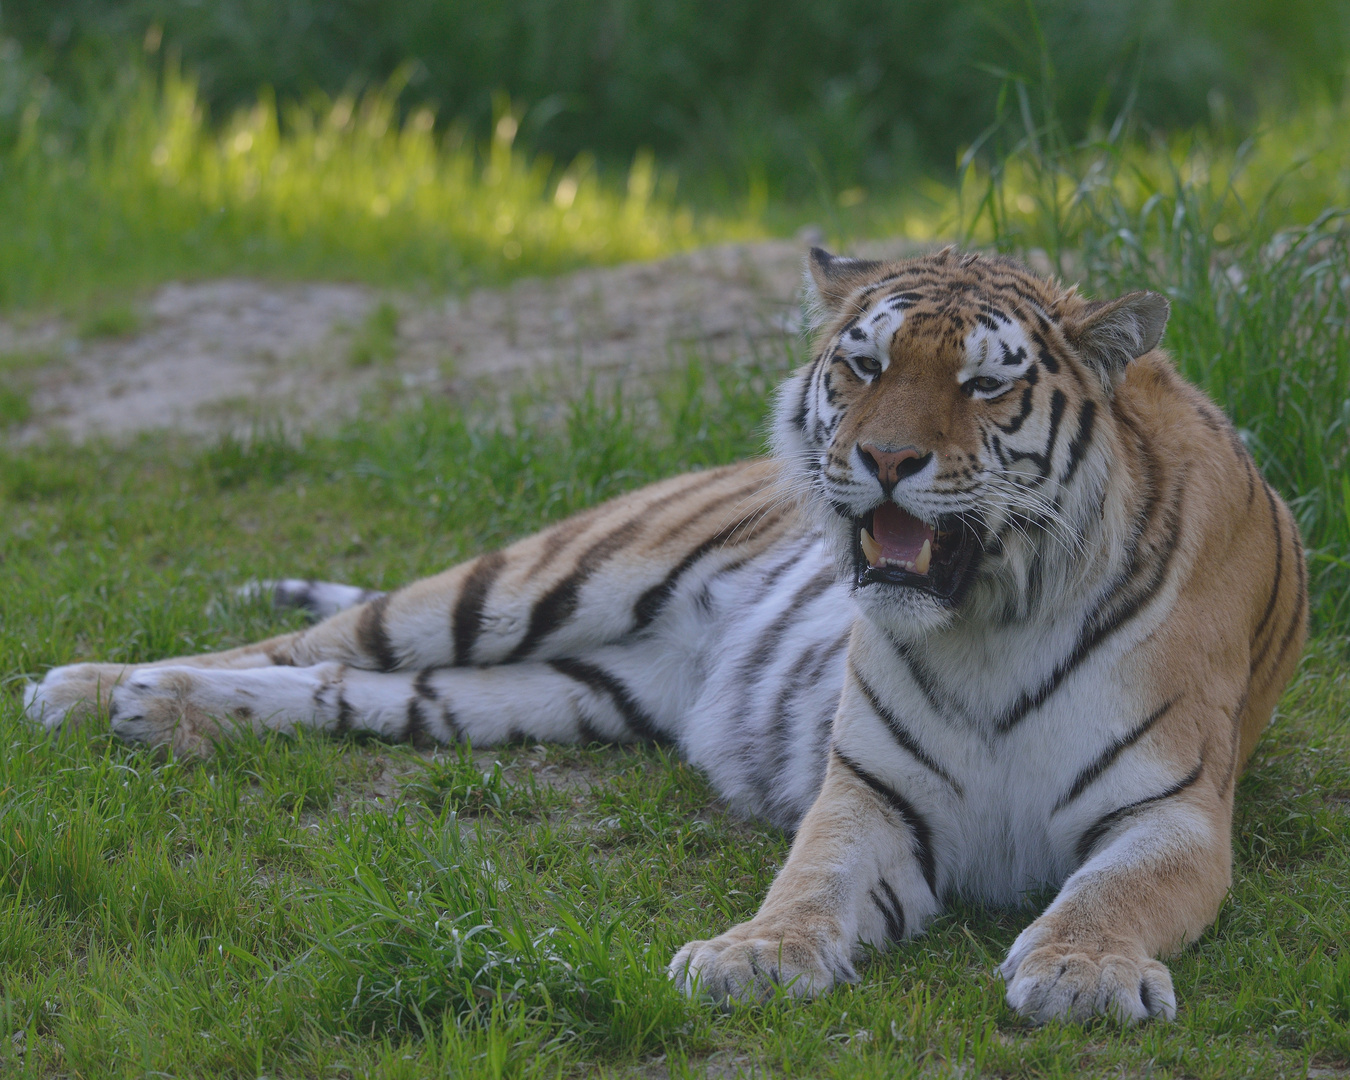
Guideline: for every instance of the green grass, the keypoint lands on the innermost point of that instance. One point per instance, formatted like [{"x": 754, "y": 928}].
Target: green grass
[
  {"x": 794, "y": 95},
  {"x": 506, "y": 913},
  {"x": 377, "y": 339},
  {"x": 341, "y": 189},
  {"x": 15, "y": 407},
  {"x": 111, "y": 321},
  {"x": 347, "y": 189},
  {"x": 16, "y": 379}
]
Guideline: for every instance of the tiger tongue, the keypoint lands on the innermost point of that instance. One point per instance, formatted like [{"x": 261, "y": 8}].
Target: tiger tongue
[{"x": 900, "y": 535}]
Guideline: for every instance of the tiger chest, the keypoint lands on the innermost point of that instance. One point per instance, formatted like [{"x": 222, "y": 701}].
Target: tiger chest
[{"x": 1009, "y": 785}]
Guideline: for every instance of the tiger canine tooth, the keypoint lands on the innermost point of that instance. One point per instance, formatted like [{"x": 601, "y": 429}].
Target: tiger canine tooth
[
  {"x": 870, "y": 547},
  {"x": 925, "y": 557}
]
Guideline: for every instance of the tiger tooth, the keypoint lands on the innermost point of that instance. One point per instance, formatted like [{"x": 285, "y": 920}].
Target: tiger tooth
[
  {"x": 925, "y": 557},
  {"x": 871, "y": 549}
]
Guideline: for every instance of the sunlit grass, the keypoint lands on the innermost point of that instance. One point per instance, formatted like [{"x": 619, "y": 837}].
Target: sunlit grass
[
  {"x": 338, "y": 189},
  {"x": 1290, "y": 172},
  {"x": 346, "y": 189}
]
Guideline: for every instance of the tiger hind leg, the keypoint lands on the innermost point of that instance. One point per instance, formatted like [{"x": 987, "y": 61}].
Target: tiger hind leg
[
  {"x": 596, "y": 699},
  {"x": 605, "y": 577},
  {"x": 70, "y": 694}
]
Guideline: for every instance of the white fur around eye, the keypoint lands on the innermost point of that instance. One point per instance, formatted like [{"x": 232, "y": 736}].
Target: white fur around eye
[
  {"x": 1003, "y": 354},
  {"x": 867, "y": 341}
]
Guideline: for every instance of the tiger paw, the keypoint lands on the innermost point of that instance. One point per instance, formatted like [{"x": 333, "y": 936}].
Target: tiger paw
[
  {"x": 156, "y": 708},
  {"x": 68, "y": 696},
  {"x": 745, "y": 966},
  {"x": 1068, "y": 982}
]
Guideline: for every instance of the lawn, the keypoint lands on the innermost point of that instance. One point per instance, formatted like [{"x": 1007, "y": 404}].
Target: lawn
[
  {"x": 312, "y": 908},
  {"x": 309, "y": 908}
]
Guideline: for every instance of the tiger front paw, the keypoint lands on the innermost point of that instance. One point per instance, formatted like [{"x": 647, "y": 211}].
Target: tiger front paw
[
  {"x": 749, "y": 965},
  {"x": 68, "y": 696},
  {"x": 1064, "y": 981}
]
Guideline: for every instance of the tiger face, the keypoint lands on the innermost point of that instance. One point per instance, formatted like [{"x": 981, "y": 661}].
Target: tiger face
[{"x": 953, "y": 428}]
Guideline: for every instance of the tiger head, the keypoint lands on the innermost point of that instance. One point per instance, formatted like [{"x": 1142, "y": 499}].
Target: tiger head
[{"x": 954, "y": 430}]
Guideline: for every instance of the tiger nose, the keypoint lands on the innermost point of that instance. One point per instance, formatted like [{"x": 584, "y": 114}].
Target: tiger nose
[{"x": 892, "y": 466}]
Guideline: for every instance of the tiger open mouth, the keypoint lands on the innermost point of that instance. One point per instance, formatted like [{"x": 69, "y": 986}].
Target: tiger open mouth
[{"x": 893, "y": 547}]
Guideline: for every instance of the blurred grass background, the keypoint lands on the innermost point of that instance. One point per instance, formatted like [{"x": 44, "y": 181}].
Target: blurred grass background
[
  {"x": 793, "y": 95},
  {"x": 452, "y": 144}
]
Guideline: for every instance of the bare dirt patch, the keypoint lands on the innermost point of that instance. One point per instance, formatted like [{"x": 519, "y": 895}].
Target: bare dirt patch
[{"x": 226, "y": 355}]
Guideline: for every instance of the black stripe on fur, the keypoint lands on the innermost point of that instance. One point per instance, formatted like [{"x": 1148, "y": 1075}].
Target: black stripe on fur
[
  {"x": 468, "y": 617},
  {"x": 1095, "y": 832},
  {"x": 603, "y": 683},
  {"x": 901, "y": 734},
  {"x": 1104, "y": 760},
  {"x": 372, "y": 636},
  {"x": 918, "y": 826},
  {"x": 891, "y": 910}
]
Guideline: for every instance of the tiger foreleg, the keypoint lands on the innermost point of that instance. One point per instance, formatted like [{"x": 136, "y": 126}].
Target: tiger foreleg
[
  {"x": 1153, "y": 884},
  {"x": 856, "y": 875}
]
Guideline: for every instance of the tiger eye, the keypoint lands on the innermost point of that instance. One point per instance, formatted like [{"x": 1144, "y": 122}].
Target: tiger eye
[{"x": 985, "y": 384}]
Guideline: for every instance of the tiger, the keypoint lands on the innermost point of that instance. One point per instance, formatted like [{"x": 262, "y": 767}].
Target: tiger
[{"x": 1005, "y": 610}]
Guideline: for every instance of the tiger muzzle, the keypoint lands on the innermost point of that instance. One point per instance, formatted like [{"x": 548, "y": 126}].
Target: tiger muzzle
[{"x": 896, "y": 549}]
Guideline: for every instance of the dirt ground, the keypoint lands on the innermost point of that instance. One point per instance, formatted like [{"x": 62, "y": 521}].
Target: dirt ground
[{"x": 230, "y": 354}]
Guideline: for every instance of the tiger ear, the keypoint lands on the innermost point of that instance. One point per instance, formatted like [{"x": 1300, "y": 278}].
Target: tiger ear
[
  {"x": 1108, "y": 334},
  {"x": 832, "y": 278}
]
